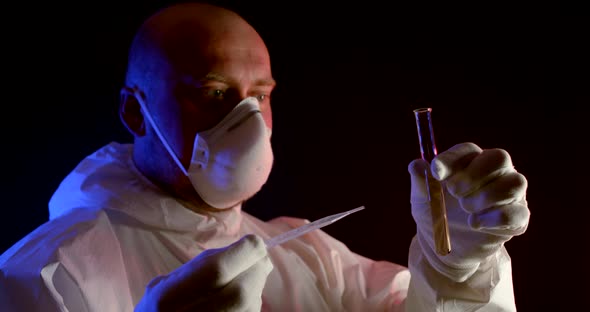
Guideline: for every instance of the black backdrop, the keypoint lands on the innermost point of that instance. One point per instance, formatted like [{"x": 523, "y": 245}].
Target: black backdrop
[{"x": 349, "y": 76}]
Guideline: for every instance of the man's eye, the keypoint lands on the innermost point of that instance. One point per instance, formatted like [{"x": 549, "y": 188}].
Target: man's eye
[
  {"x": 261, "y": 97},
  {"x": 218, "y": 93}
]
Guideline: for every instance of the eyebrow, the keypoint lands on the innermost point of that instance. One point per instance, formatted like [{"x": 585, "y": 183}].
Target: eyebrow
[{"x": 212, "y": 76}]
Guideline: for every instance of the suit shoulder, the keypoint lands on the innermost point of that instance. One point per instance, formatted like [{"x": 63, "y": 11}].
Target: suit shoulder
[{"x": 41, "y": 246}]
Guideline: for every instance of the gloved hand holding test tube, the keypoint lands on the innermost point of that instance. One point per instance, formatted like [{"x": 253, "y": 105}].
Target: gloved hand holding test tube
[
  {"x": 440, "y": 228},
  {"x": 283, "y": 237}
]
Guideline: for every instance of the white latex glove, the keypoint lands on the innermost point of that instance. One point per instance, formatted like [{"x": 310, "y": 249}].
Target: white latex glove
[
  {"x": 485, "y": 201},
  {"x": 224, "y": 279}
]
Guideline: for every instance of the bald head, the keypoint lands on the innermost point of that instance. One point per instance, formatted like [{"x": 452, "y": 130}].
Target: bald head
[
  {"x": 190, "y": 64},
  {"x": 176, "y": 36}
]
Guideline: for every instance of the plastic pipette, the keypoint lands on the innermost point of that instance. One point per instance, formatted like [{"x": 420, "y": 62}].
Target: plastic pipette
[{"x": 281, "y": 238}]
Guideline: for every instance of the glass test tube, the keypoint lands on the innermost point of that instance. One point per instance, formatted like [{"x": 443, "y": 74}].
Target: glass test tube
[{"x": 440, "y": 228}]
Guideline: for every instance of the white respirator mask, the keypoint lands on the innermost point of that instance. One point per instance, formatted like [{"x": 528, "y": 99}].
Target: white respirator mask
[{"x": 231, "y": 161}]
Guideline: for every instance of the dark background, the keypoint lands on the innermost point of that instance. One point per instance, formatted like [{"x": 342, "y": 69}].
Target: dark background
[{"x": 349, "y": 77}]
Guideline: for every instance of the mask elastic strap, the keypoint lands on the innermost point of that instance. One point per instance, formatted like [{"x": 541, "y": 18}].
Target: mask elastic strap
[{"x": 166, "y": 145}]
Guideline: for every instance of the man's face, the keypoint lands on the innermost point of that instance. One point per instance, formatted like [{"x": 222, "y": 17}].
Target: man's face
[{"x": 205, "y": 79}]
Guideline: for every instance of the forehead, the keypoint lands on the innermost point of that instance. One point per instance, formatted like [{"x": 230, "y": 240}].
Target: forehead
[{"x": 196, "y": 50}]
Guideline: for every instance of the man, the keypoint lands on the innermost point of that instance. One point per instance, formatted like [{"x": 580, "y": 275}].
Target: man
[{"x": 157, "y": 225}]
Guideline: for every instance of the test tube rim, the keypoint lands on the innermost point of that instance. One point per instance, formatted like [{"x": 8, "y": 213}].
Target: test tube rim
[{"x": 423, "y": 110}]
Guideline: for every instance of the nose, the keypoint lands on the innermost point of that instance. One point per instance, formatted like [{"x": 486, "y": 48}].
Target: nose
[
  {"x": 264, "y": 106},
  {"x": 242, "y": 120}
]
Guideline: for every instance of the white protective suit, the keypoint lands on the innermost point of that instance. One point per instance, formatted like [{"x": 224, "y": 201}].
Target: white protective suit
[{"x": 111, "y": 231}]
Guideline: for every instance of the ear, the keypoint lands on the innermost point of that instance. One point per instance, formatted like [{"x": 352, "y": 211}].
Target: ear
[{"x": 130, "y": 112}]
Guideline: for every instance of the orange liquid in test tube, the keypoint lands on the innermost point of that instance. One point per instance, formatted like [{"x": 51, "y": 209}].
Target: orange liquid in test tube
[{"x": 436, "y": 196}]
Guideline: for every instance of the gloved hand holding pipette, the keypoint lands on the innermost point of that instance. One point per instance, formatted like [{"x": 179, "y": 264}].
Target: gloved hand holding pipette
[
  {"x": 230, "y": 278},
  {"x": 485, "y": 201}
]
